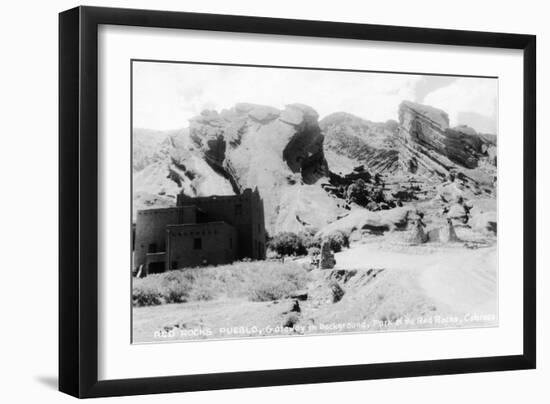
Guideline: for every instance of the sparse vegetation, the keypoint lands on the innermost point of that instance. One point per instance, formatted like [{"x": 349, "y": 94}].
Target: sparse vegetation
[
  {"x": 276, "y": 281},
  {"x": 254, "y": 280}
]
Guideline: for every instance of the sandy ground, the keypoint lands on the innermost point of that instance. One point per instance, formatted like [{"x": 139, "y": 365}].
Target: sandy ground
[{"x": 386, "y": 286}]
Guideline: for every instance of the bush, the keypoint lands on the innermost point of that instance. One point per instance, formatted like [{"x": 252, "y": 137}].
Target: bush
[
  {"x": 311, "y": 241},
  {"x": 337, "y": 241},
  {"x": 288, "y": 243},
  {"x": 291, "y": 320},
  {"x": 357, "y": 192},
  {"x": 146, "y": 295}
]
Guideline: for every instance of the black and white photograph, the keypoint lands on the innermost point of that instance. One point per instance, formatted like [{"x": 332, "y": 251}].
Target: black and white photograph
[{"x": 277, "y": 201}]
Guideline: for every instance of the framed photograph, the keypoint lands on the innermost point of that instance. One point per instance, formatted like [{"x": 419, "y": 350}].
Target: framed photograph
[{"x": 251, "y": 201}]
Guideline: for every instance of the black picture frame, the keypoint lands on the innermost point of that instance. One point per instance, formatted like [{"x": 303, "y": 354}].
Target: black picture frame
[{"x": 78, "y": 201}]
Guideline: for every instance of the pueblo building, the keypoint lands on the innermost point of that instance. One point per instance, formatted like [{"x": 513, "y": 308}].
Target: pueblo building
[{"x": 210, "y": 230}]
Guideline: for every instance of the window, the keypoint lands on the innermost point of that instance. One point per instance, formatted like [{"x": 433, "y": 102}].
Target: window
[
  {"x": 152, "y": 248},
  {"x": 197, "y": 243},
  {"x": 238, "y": 209}
]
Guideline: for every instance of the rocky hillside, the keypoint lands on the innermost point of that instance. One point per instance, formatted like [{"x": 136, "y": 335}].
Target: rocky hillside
[
  {"x": 420, "y": 143},
  {"x": 310, "y": 172},
  {"x": 351, "y": 141}
]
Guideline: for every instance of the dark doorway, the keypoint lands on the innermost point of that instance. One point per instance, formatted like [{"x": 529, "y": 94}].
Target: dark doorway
[{"x": 156, "y": 267}]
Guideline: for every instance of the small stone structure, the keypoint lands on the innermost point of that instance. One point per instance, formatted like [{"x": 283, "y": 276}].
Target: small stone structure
[
  {"x": 417, "y": 235},
  {"x": 326, "y": 260},
  {"x": 447, "y": 233}
]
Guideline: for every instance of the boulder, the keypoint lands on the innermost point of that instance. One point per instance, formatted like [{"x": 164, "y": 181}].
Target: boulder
[
  {"x": 263, "y": 114},
  {"x": 358, "y": 219},
  {"x": 337, "y": 291},
  {"x": 458, "y": 213}
]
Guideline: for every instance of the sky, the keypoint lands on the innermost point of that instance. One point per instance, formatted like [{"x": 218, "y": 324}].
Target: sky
[{"x": 167, "y": 95}]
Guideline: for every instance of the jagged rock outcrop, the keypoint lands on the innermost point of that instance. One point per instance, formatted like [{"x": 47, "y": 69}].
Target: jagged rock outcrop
[
  {"x": 279, "y": 152},
  {"x": 429, "y": 127},
  {"x": 420, "y": 148}
]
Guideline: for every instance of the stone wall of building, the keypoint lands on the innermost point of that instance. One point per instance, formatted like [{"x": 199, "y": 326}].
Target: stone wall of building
[
  {"x": 192, "y": 245},
  {"x": 151, "y": 229},
  {"x": 244, "y": 211}
]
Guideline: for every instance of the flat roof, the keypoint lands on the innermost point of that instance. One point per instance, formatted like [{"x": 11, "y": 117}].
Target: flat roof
[
  {"x": 204, "y": 224},
  {"x": 152, "y": 210}
]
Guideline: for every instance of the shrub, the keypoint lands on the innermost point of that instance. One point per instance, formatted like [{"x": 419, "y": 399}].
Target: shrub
[
  {"x": 337, "y": 240},
  {"x": 291, "y": 320},
  {"x": 146, "y": 295},
  {"x": 310, "y": 241},
  {"x": 357, "y": 192},
  {"x": 288, "y": 243},
  {"x": 176, "y": 286}
]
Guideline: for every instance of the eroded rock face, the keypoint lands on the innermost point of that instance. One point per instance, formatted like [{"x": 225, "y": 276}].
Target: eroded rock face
[
  {"x": 304, "y": 152},
  {"x": 279, "y": 152},
  {"x": 352, "y": 141}
]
